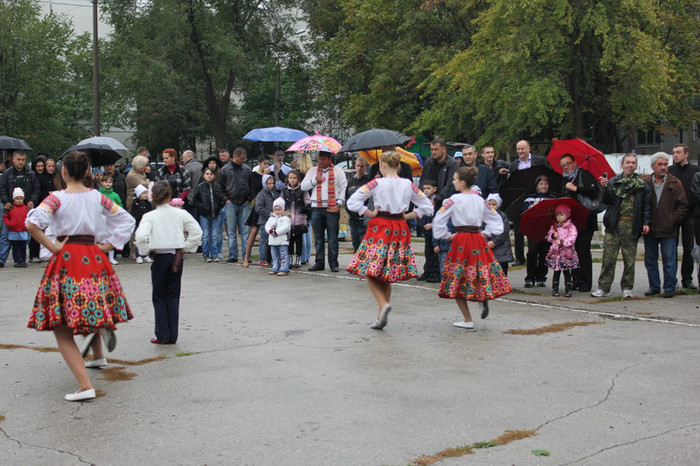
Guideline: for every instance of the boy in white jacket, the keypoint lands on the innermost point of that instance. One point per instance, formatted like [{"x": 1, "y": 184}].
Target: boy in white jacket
[{"x": 278, "y": 227}]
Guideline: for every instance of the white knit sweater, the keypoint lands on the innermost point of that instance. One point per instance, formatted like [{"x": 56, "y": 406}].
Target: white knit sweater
[{"x": 164, "y": 228}]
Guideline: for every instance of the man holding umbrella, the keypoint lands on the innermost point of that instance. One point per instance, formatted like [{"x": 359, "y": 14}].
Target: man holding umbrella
[
  {"x": 627, "y": 217},
  {"x": 16, "y": 176},
  {"x": 580, "y": 183},
  {"x": 326, "y": 184}
]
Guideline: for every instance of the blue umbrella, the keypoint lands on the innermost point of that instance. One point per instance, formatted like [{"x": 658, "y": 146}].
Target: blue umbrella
[{"x": 275, "y": 134}]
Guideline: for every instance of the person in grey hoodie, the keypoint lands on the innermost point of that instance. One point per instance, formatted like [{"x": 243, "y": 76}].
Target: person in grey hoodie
[{"x": 263, "y": 206}]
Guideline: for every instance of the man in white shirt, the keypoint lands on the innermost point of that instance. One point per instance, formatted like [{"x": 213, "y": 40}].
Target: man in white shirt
[{"x": 326, "y": 184}]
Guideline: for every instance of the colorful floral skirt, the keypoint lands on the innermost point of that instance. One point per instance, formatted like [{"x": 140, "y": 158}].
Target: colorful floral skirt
[
  {"x": 470, "y": 271},
  {"x": 385, "y": 252},
  {"x": 81, "y": 290}
]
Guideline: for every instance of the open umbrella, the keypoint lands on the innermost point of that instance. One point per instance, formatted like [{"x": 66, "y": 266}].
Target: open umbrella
[
  {"x": 522, "y": 182},
  {"x": 8, "y": 143},
  {"x": 274, "y": 134},
  {"x": 586, "y": 156},
  {"x": 412, "y": 159},
  {"x": 374, "y": 139},
  {"x": 535, "y": 221},
  {"x": 102, "y": 150},
  {"x": 316, "y": 142}
]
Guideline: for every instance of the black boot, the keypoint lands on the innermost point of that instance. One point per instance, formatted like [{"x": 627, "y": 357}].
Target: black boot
[
  {"x": 555, "y": 288},
  {"x": 567, "y": 289}
]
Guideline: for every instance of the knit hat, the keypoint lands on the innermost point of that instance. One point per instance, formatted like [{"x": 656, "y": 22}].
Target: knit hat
[
  {"x": 495, "y": 197},
  {"x": 96, "y": 171},
  {"x": 563, "y": 208},
  {"x": 177, "y": 202},
  {"x": 18, "y": 192},
  {"x": 458, "y": 155},
  {"x": 279, "y": 202},
  {"x": 139, "y": 189},
  {"x": 541, "y": 178}
]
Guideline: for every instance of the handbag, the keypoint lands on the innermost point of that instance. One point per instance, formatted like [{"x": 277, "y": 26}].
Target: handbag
[
  {"x": 177, "y": 261},
  {"x": 594, "y": 205}
]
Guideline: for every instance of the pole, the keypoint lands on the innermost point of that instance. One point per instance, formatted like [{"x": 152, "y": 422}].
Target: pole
[{"x": 95, "y": 74}]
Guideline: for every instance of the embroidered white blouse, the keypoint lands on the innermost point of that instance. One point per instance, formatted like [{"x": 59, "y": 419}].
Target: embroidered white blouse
[
  {"x": 87, "y": 213},
  {"x": 466, "y": 210},
  {"x": 393, "y": 195}
]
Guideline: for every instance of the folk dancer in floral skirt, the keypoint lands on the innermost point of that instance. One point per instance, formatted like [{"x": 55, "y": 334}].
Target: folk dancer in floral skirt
[
  {"x": 79, "y": 293},
  {"x": 385, "y": 255},
  {"x": 470, "y": 272}
]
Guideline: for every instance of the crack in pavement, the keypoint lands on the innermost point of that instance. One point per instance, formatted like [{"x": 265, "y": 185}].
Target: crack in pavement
[
  {"x": 607, "y": 395},
  {"x": 632, "y": 442},
  {"x": 23, "y": 444}
]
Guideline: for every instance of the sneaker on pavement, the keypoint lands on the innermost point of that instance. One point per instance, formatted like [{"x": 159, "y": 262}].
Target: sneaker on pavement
[
  {"x": 113, "y": 262},
  {"x": 600, "y": 293},
  {"x": 139, "y": 260},
  {"x": 147, "y": 259},
  {"x": 627, "y": 294},
  {"x": 463, "y": 324}
]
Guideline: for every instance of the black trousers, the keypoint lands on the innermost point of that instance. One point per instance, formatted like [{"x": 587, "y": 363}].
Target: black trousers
[
  {"x": 688, "y": 242},
  {"x": 166, "y": 296},
  {"x": 519, "y": 244},
  {"x": 583, "y": 276},
  {"x": 536, "y": 265},
  {"x": 34, "y": 248},
  {"x": 431, "y": 269}
]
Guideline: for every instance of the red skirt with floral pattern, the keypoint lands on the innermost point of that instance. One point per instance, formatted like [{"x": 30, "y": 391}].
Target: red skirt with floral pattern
[
  {"x": 470, "y": 271},
  {"x": 81, "y": 290},
  {"x": 385, "y": 252}
]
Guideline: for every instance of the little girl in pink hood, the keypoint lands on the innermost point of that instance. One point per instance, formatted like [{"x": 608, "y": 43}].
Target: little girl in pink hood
[{"x": 562, "y": 254}]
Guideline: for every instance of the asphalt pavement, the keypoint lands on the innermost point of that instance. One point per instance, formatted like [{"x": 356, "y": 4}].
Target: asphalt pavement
[{"x": 285, "y": 370}]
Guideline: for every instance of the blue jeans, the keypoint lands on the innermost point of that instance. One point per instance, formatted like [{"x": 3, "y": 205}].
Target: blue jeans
[
  {"x": 211, "y": 236},
  {"x": 280, "y": 258},
  {"x": 324, "y": 221},
  {"x": 263, "y": 243},
  {"x": 4, "y": 241},
  {"x": 236, "y": 215},
  {"x": 222, "y": 224},
  {"x": 669, "y": 261},
  {"x": 306, "y": 247}
]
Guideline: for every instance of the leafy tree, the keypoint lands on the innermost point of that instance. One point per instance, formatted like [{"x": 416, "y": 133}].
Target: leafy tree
[
  {"x": 373, "y": 54},
  {"x": 584, "y": 68},
  {"x": 43, "y": 99},
  {"x": 197, "y": 68}
]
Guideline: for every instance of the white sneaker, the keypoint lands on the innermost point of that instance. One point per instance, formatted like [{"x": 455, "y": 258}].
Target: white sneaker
[
  {"x": 463, "y": 324},
  {"x": 96, "y": 363},
  {"x": 627, "y": 294},
  {"x": 113, "y": 262},
  {"x": 600, "y": 293},
  {"x": 147, "y": 260},
  {"x": 139, "y": 260}
]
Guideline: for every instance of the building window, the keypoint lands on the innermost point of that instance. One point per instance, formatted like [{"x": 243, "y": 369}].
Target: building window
[{"x": 648, "y": 138}]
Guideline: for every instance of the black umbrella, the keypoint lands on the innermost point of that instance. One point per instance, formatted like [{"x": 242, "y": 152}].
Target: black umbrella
[
  {"x": 100, "y": 154},
  {"x": 8, "y": 143},
  {"x": 373, "y": 139},
  {"x": 522, "y": 182}
]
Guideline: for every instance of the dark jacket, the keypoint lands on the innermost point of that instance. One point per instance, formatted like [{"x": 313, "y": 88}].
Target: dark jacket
[
  {"x": 671, "y": 209},
  {"x": 485, "y": 180},
  {"x": 587, "y": 186},
  {"x": 442, "y": 174},
  {"x": 119, "y": 186},
  {"x": 403, "y": 172},
  {"x": 298, "y": 204},
  {"x": 497, "y": 165},
  {"x": 139, "y": 208},
  {"x": 695, "y": 189},
  {"x": 236, "y": 183},
  {"x": 685, "y": 175},
  {"x": 537, "y": 160},
  {"x": 502, "y": 251},
  {"x": 263, "y": 204},
  {"x": 25, "y": 179},
  {"x": 354, "y": 184},
  {"x": 642, "y": 208},
  {"x": 209, "y": 199}
]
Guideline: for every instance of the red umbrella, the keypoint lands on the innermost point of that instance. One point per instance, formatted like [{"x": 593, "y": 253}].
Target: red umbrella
[
  {"x": 586, "y": 156},
  {"x": 535, "y": 221}
]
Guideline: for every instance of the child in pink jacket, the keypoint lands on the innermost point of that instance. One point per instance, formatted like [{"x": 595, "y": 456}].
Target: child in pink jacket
[{"x": 562, "y": 254}]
